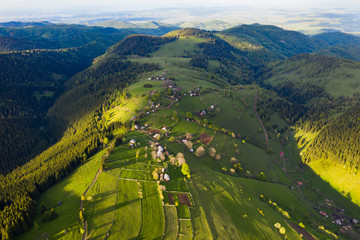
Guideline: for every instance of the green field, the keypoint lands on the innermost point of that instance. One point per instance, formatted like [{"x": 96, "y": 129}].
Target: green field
[
  {"x": 153, "y": 222},
  {"x": 179, "y": 48},
  {"x": 69, "y": 192},
  {"x": 171, "y": 223},
  {"x": 126, "y": 202}
]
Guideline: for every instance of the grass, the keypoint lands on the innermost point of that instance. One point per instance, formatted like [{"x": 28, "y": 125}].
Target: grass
[
  {"x": 185, "y": 229},
  {"x": 180, "y": 48},
  {"x": 69, "y": 192},
  {"x": 339, "y": 177},
  {"x": 171, "y": 223},
  {"x": 133, "y": 174},
  {"x": 177, "y": 182},
  {"x": 232, "y": 203},
  {"x": 330, "y": 173},
  {"x": 99, "y": 212},
  {"x": 341, "y": 79},
  {"x": 183, "y": 212},
  {"x": 153, "y": 223},
  {"x": 127, "y": 220}
]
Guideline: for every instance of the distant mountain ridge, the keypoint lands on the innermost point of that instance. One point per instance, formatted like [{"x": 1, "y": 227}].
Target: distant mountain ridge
[
  {"x": 337, "y": 38},
  {"x": 283, "y": 42},
  {"x": 24, "y": 24}
]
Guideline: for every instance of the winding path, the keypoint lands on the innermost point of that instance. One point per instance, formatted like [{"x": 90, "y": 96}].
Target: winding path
[
  {"x": 262, "y": 125},
  {"x": 81, "y": 203}
]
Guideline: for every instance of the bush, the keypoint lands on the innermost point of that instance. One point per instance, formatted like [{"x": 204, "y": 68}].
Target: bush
[
  {"x": 261, "y": 176},
  {"x": 148, "y": 85},
  {"x": 212, "y": 152},
  {"x": 200, "y": 151},
  {"x": 189, "y": 115},
  {"x": 188, "y": 136},
  {"x": 185, "y": 170},
  {"x": 188, "y": 144},
  {"x": 81, "y": 216},
  {"x": 42, "y": 208},
  {"x": 233, "y": 160},
  {"x": 180, "y": 159}
]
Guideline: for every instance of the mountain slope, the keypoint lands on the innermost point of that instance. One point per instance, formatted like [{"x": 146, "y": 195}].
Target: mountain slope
[
  {"x": 282, "y": 42},
  {"x": 338, "y": 38},
  {"x": 327, "y": 88},
  {"x": 8, "y": 44},
  {"x": 342, "y": 51},
  {"x": 245, "y": 169},
  {"x": 30, "y": 83}
]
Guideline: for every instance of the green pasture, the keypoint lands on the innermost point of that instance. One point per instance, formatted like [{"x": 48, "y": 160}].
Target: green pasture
[{"x": 67, "y": 225}]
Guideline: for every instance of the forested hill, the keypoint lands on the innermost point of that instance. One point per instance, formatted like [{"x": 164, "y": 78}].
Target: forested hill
[
  {"x": 330, "y": 75},
  {"x": 24, "y": 24},
  {"x": 342, "y": 45},
  {"x": 284, "y": 43},
  {"x": 327, "y": 89},
  {"x": 351, "y": 52},
  {"x": 64, "y": 35},
  {"x": 30, "y": 82},
  {"x": 8, "y": 44},
  {"x": 338, "y": 140},
  {"x": 140, "y": 45},
  {"x": 338, "y": 38}
]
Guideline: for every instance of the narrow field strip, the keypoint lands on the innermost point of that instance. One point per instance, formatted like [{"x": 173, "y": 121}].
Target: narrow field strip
[{"x": 171, "y": 223}]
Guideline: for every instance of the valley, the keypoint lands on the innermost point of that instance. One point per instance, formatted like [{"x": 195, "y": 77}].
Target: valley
[{"x": 184, "y": 137}]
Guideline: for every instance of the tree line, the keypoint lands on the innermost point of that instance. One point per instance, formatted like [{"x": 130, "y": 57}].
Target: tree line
[{"x": 80, "y": 110}]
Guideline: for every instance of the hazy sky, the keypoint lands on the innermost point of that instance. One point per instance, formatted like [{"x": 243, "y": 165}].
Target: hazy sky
[{"x": 117, "y": 5}]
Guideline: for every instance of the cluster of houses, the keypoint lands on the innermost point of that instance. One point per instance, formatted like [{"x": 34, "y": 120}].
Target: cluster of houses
[
  {"x": 203, "y": 112},
  {"x": 164, "y": 176},
  {"x": 161, "y": 153},
  {"x": 195, "y": 92},
  {"x": 162, "y": 77},
  {"x": 338, "y": 215},
  {"x": 142, "y": 128}
]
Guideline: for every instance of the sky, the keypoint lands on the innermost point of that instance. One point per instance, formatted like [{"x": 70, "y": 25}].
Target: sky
[{"x": 117, "y": 5}]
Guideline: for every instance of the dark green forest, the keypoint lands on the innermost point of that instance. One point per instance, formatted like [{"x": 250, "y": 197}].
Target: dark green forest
[{"x": 30, "y": 81}]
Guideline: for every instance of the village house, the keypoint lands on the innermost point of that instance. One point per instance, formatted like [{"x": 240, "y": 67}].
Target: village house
[
  {"x": 157, "y": 136},
  {"x": 323, "y": 214},
  {"x": 338, "y": 222},
  {"x": 160, "y": 150},
  {"x": 166, "y": 177},
  {"x": 132, "y": 143}
]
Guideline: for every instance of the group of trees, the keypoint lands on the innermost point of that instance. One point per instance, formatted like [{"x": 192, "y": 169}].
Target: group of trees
[
  {"x": 79, "y": 112},
  {"x": 30, "y": 82},
  {"x": 140, "y": 45},
  {"x": 338, "y": 140}
]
